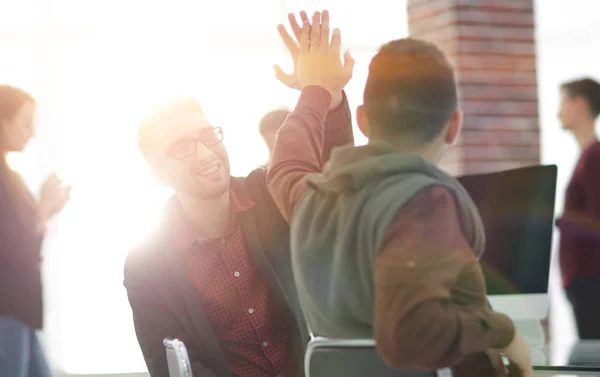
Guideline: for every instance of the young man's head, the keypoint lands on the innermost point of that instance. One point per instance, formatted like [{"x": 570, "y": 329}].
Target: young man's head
[
  {"x": 410, "y": 97},
  {"x": 580, "y": 104},
  {"x": 270, "y": 124},
  {"x": 184, "y": 150}
]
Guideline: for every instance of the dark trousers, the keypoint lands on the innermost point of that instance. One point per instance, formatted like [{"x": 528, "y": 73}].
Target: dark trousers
[{"x": 584, "y": 295}]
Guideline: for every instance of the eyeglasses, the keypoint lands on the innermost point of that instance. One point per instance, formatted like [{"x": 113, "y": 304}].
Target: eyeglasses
[{"x": 188, "y": 147}]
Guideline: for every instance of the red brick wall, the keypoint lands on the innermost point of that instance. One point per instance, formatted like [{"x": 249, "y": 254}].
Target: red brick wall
[{"x": 492, "y": 46}]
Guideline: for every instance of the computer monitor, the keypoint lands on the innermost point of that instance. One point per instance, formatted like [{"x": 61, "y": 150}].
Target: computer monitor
[{"x": 517, "y": 209}]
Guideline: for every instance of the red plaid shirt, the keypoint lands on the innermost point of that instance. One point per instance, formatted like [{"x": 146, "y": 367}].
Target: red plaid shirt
[{"x": 238, "y": 302}]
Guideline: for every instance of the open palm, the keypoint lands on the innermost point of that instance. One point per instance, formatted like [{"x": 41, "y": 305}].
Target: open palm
[{"x": 291, "y": 80}]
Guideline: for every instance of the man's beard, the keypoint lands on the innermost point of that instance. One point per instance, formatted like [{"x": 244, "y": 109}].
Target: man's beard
[
  {"x": 203, "y": 191},
  {"x": 214, "y": 192}
]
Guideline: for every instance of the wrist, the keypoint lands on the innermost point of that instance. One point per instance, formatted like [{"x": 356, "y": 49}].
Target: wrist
[
  {"x": 317, "y": 91},
  {"x": 316, "y": 99},
  {"x": 41, "y": 227},
  {"x": 42, "y": 220},
  {"x": 322, "y": 83},
  {"x": 336, "y": 100},
  {"x": 44, "y": 213}
]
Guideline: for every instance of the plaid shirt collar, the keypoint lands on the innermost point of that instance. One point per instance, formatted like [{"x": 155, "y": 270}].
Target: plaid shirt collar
[{"x": 184, "y": 234}]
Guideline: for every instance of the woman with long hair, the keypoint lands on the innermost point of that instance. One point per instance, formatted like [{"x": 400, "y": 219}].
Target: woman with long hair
[{"x": 22, "y": 225}]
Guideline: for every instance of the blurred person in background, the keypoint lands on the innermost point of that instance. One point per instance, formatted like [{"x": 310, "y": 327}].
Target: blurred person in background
[
  {"x": 216, "y": 271},
  {"x": 23, "y": 222},
  {"x": 269, "y": 125},
  {"x": 580, "y": 223}
]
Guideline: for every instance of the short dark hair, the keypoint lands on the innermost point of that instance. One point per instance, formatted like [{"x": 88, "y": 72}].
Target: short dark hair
[
  {"x": 272, "y": 121},
  {"x": 410, "y": 92},
  {"x": 587, "y": 89}
]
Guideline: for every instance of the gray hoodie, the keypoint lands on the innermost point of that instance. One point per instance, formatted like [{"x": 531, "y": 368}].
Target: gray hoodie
[{"x": 339, "y": 225}]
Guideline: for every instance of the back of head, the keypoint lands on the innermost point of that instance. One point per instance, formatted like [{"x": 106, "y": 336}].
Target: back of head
[
  {"x": 270, "y": 124},
  {"x": 589, "y": 90},
  {"x": 410, "y": 92},
  {"x": 272, "y": 121}
]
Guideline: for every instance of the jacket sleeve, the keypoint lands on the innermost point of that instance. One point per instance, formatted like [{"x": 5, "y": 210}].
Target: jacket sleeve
[
  {"x": 417, "y": 322},
  {"x": 338, "y": 128},
  {"x": 304, "y": 142},
  {"x": 153, "y": 323}
]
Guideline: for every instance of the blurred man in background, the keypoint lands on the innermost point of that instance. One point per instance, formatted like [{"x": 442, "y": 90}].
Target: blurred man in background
[{"x": 580, "y": 223}]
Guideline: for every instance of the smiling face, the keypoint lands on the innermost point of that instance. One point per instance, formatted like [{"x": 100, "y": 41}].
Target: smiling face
[{"x": 188, "y": 155}]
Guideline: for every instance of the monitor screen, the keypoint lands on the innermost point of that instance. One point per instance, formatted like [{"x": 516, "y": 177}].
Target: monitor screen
[{"x": 517, "y": 209}]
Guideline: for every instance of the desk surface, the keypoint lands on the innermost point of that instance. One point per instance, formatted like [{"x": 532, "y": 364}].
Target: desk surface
[{"x": 565, "y": 374}]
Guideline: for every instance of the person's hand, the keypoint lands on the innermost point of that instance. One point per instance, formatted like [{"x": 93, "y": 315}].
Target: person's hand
[
  {"x": 54, "y": 197},
  {"x": 291, "y": 80},
  {"x": 319, "y": 62},
  {"x": 519, "y": 354}
]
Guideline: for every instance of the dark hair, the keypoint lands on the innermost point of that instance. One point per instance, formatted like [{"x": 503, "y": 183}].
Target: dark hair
[
  {"x": 272, "y": 121},
  {"x": 410, "y": 92},
  {"x": 11, "y": 101},
  {"x": 587, "y": 89}
]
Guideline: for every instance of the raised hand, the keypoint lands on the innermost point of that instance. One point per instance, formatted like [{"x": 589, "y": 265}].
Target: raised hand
[
  {"x": 319, "y": 62},
  {"x": 291, "y": 80},
  {"x": 54, "y": 197}
]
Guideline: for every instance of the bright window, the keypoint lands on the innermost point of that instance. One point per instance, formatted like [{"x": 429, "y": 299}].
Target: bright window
[{"x": 96, "y": 68}]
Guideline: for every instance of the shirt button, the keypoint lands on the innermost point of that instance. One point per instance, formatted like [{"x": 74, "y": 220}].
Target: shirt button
[
  {"x": 223, "y": 240},
  {"x": 265, "y": 344},
  {"x": 250, "y": 310},
  {"x": 236, "y": 274}
]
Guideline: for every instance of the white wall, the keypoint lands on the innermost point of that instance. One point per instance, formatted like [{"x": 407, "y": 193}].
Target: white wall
[{"x": 568, "y": 41}]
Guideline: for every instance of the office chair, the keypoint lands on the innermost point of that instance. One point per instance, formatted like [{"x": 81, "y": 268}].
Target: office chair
[
  {"x": 354, "y": 358},
  {"x": 177, "y": 358}
]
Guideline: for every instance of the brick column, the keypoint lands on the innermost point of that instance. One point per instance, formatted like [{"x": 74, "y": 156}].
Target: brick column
[{"x": 492, "y": 47}]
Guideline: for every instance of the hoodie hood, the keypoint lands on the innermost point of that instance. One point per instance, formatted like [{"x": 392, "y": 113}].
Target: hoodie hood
[{"x": 351, "y": 168}]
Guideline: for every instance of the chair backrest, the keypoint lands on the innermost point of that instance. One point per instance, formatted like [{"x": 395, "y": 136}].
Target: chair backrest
[
  {"x": 354, "y": 358},
  {"x": 177, "y": 358}
]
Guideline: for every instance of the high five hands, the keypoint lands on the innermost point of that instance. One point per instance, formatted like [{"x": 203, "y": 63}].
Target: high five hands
[{"x": 317, "y": 56}]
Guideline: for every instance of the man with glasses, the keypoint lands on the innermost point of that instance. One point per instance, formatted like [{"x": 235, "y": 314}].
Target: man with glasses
[{"x": 216, "y": 273}]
